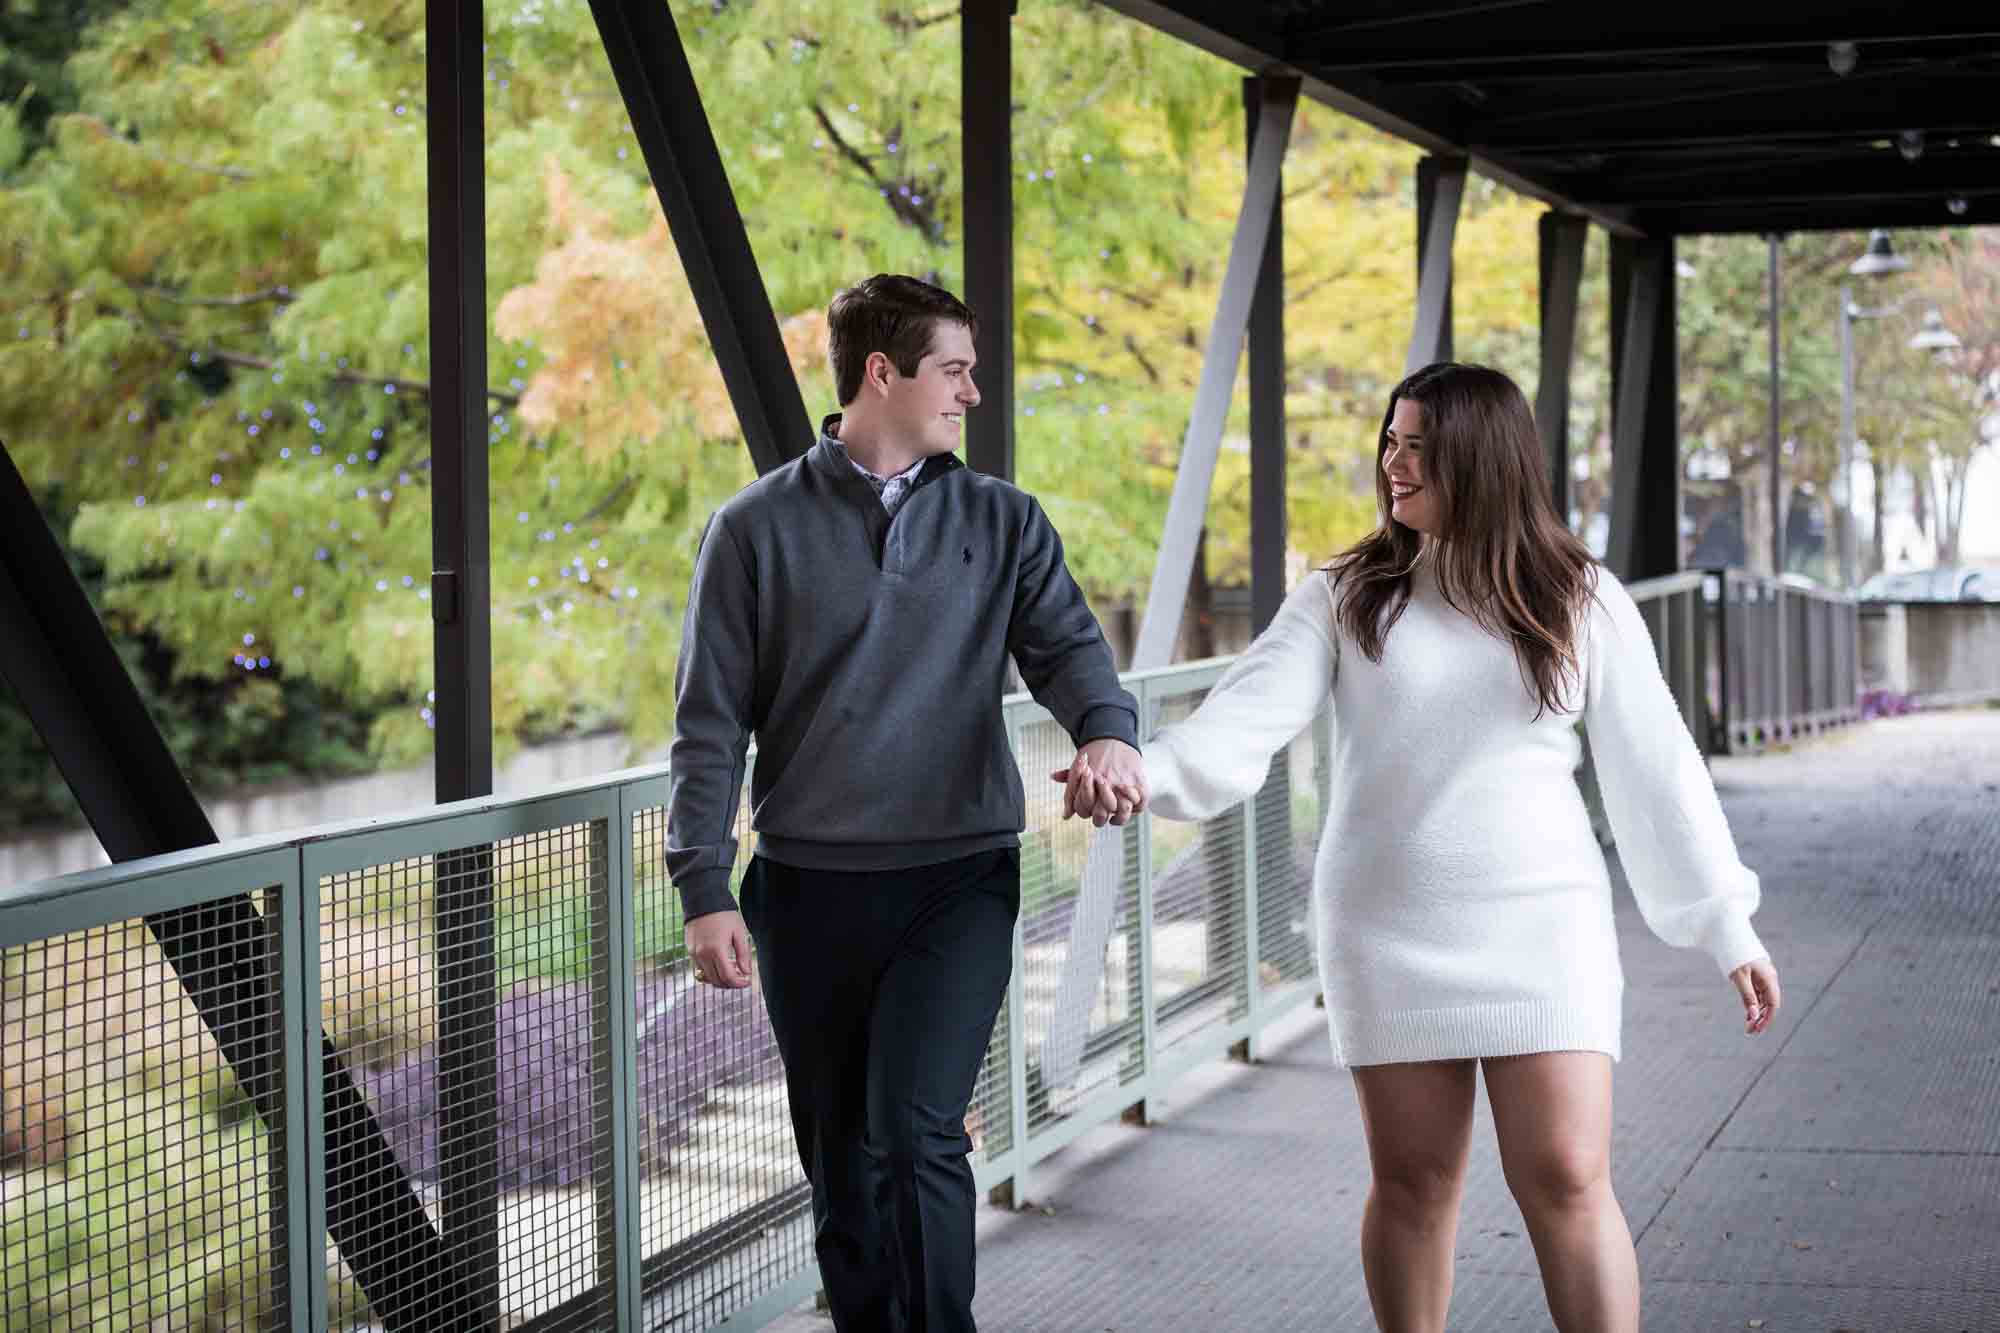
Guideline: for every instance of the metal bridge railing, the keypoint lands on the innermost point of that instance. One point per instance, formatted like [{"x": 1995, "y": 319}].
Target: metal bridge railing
[
  {"x": 1753, "y": 661},
  {"x": 600, "y": 1142}
]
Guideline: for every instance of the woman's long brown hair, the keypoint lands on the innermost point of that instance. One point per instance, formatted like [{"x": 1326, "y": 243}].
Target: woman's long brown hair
[{"x": 1502, "y": 554}]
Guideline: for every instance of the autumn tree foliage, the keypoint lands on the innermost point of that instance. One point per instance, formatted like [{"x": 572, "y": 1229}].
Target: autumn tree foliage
[{"x": 214, "y": 363}]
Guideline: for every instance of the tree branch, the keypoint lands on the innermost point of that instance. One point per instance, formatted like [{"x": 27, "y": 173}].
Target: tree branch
[
  {"x": 846, "y": 149},
  {"x": 907, "y": 23},
  {"x": 610, "y": 498},
  {"x": 231, "y": 173},
  {"x": 245, "y": 362},
  {"x": 280, "y": 295},
  {"x": 903, "y": 202}
]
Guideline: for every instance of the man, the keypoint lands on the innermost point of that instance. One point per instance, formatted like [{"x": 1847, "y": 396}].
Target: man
[{"x": 854, "y": 611}]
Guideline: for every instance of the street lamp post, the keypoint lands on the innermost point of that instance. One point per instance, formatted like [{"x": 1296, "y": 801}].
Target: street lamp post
[
  {"x": 1879, "y": 259},
  {"x": 1843, "y": 488}
]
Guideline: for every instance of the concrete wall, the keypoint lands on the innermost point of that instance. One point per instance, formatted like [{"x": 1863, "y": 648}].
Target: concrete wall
[
  {"x": 1939, "y": 653},
  {"x": 292, "y": 806}
]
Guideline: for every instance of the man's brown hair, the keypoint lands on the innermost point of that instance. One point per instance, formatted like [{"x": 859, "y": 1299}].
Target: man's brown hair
[{"x": 891, "y": 314}]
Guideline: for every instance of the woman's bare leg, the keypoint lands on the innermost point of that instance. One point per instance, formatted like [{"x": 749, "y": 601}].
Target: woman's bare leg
[
  {"x": 1553, "y": 1116},
  {"x": 1419, "y": 1123}
]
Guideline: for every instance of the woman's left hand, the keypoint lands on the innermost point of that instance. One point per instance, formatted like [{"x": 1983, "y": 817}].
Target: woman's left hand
[{"x": 1757, "y": 983}]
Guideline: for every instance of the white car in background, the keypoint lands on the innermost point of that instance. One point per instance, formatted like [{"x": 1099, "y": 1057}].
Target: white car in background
[{"x": 1947, "y": 583}]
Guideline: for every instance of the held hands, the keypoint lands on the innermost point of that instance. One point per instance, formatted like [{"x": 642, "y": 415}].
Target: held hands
[
  {"x": 719, "y": 945},
  {"x": 1757, "y": 983},
  {"x": 1105, "y": 783}
]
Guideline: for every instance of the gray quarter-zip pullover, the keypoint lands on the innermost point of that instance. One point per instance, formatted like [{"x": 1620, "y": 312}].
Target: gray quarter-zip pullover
[{"x": 866, "y": 652}]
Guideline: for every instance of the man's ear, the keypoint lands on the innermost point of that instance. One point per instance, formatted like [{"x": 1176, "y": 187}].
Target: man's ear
[{"x": 877, "y": 371}]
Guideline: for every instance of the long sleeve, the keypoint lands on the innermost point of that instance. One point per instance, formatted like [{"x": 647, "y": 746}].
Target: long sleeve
[
  {"x": 1672, "y": 838},
  {"x": 712, "y": 724},
  {"x": 1059, "y": 646},
  {"x": 1221, "y": 754}
]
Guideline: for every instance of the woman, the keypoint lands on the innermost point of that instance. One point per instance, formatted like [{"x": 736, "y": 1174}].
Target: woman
[{"x": 1464, "y": 909}]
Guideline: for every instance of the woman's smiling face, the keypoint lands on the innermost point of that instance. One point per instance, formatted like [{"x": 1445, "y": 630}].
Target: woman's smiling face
[{"x": 1411, "y": 502}]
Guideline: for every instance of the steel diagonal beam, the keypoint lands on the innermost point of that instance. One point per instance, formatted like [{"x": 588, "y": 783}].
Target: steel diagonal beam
[
  {"x": 1188, "y": 507},
  {"x": 1440, "y": 190},
  {"x": 651, "y": 68},
  {"x": 1186, "y": 511},
  {"x": 61, "y": 664}
]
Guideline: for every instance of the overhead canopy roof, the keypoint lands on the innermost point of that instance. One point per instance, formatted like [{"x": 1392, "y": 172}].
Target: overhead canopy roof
[{"x": 1687, "y": 116}]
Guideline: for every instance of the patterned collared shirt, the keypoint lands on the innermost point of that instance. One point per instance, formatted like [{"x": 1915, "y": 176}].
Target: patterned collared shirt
[{"x": 893, "y": 490}]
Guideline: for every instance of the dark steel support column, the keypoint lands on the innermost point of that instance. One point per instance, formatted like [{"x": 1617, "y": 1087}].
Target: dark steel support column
[
  {"x": 1266, "y": 339},
  {"x": 986, "y": 81},
  {"x": 1777, "y": 406},
  {"x": 651, "y": 68},
  {"x": 1562, "y": 241},
  {"x": 468, "y": 1077},
  {"x": 1645, "y": 421},
  {"x": 1440, "y": 191},
  {"x": 61, "y": 664},
  {"x": 461, "y": 578}
]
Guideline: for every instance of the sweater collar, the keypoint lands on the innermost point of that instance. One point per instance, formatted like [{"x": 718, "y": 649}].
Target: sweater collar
[{"x": 832, "y": 460}]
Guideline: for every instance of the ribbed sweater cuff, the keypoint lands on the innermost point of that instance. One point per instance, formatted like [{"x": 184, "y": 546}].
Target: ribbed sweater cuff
[
  {"x": 1732, "y": 942},
  {"x": 1108, "y": 722},
  {"x": 706, "y": 891}
]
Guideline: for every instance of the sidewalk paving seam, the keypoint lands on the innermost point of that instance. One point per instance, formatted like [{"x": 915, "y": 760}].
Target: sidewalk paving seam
[
  {"x": 1753, "y": 1284},
  {"x": 1858, "y": 1152}
]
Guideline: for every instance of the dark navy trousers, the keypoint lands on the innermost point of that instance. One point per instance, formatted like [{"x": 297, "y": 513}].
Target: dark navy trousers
[{"x": 883, "y": 987}]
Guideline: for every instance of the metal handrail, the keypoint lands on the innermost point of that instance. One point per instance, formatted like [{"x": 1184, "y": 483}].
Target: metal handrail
[
  {"x": 1227, "y": 959},
  {"x": 685, "y": 1252}
]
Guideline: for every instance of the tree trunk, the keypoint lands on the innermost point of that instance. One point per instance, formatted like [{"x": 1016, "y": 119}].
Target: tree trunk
[
  {"x": 1198, "y": 624},
  {"x": 1754, "y": 486},
  {"x": 1920, "y": 495},
  {"x": 1878, "y": 544},
  {"x": 1951, "y": 513},
  {"x": 1835, "y": 519}
]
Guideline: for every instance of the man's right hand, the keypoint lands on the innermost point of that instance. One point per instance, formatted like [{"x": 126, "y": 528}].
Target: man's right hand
[{"x": 719, "y": 944}]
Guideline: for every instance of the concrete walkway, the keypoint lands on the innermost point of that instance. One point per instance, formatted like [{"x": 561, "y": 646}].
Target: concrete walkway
[{"x": 1841, "y": 1172}]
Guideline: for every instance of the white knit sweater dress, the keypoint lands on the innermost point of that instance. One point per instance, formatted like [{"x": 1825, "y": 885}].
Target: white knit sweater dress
[{"x": 1462, "y": 905}]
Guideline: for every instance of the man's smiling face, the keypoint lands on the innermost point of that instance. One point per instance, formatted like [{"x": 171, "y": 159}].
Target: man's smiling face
[{"x": 930, "y": 406}]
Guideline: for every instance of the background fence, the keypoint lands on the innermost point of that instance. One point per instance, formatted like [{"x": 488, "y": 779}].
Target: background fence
[{"x": 1753, "y": 661}]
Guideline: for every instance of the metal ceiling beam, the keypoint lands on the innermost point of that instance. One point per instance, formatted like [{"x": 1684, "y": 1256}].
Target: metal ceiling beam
[
  {"x": 1228, "y": 32},
  {"x": 1726, "y": 217},
  {"x": 1446, "y": 36},
  {"x": 1813, "y": 181},
  {"x": 1943, "y": 102}
]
